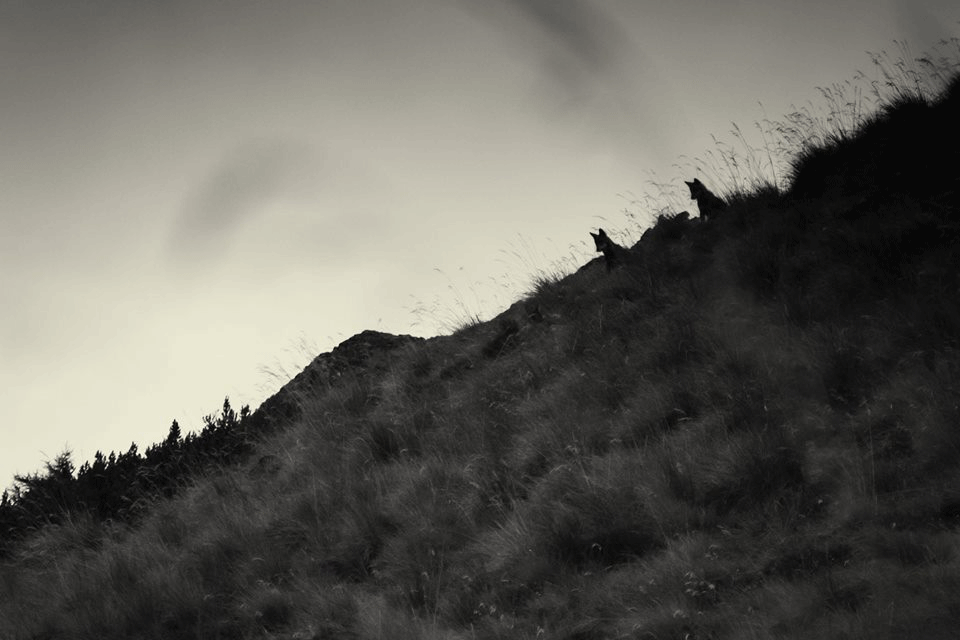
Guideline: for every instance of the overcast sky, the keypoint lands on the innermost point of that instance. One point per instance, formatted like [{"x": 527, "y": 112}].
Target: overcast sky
[{"x": 199, "y": 196}]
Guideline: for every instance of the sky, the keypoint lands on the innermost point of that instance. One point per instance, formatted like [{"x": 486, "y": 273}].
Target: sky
[{"x": 199, "y": 197}]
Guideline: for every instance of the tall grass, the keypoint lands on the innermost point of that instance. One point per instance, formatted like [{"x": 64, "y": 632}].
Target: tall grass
[
  {"x": 763, "y": 157},
  {"x": 707, "y": 442}
]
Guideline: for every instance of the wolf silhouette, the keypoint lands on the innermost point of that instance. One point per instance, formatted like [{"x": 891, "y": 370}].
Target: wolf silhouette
[
  {"x": 613, "y": 254},
  {"x": 710, "y": 205}
]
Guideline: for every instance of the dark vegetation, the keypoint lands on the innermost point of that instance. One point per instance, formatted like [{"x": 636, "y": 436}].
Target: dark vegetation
[
  {"x": 747, "y": 427},
  {"x": 121, "y": 487}
]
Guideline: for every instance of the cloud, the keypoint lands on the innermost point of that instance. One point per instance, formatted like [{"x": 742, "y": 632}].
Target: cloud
[
  {"x": 594, "y": 73},
  {"x": 239, "y": 187},
  {"x": 584, "y": 43},
  {"x": 578, "y": 27},
  {"x": 282, "y": 202}
]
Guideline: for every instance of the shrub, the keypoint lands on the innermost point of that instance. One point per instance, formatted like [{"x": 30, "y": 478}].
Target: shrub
[{"x": 602, "y": 520}]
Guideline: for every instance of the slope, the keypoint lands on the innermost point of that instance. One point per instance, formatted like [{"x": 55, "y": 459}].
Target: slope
[{"x": 748, "y": 429}]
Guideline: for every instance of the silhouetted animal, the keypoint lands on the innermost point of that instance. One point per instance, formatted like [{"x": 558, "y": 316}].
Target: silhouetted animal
[
  {"x": 613, "y": 254},
  {"x": 710, "y": 205}
]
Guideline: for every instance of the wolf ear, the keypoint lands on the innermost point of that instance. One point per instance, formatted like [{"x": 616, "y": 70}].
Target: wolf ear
[
  {"x": 689, "y": 184},
  {"x": 596, "y": 235}
]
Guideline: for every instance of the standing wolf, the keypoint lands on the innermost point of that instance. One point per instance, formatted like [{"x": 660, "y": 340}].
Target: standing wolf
[
  {"x": 710, "y": 205},
  {"x": 613, "y": 254}
]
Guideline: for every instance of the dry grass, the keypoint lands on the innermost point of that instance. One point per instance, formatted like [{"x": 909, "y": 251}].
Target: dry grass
[{"x": 700, "y": 444}]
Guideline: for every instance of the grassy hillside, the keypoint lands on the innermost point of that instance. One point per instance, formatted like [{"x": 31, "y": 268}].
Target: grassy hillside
[{"x": 749, "y": 429}]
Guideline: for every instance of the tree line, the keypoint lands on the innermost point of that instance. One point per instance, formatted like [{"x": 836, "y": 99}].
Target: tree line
[{"x": 121, "y": 486}]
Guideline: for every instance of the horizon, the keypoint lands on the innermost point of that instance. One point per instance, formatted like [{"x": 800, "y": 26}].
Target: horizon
[{"x": 232, "y": 197}]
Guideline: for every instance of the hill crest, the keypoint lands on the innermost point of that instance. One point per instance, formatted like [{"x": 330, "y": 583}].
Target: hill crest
[{"x": 745, "y": 427}]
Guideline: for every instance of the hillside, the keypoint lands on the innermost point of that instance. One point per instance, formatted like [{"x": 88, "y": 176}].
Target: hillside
[{"x": 747, "y": 428}]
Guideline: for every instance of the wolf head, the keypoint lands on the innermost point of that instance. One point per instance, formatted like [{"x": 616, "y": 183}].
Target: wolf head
[
  {"x": 696, "y": 187},
  {"x": 601, "y": 240}
]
